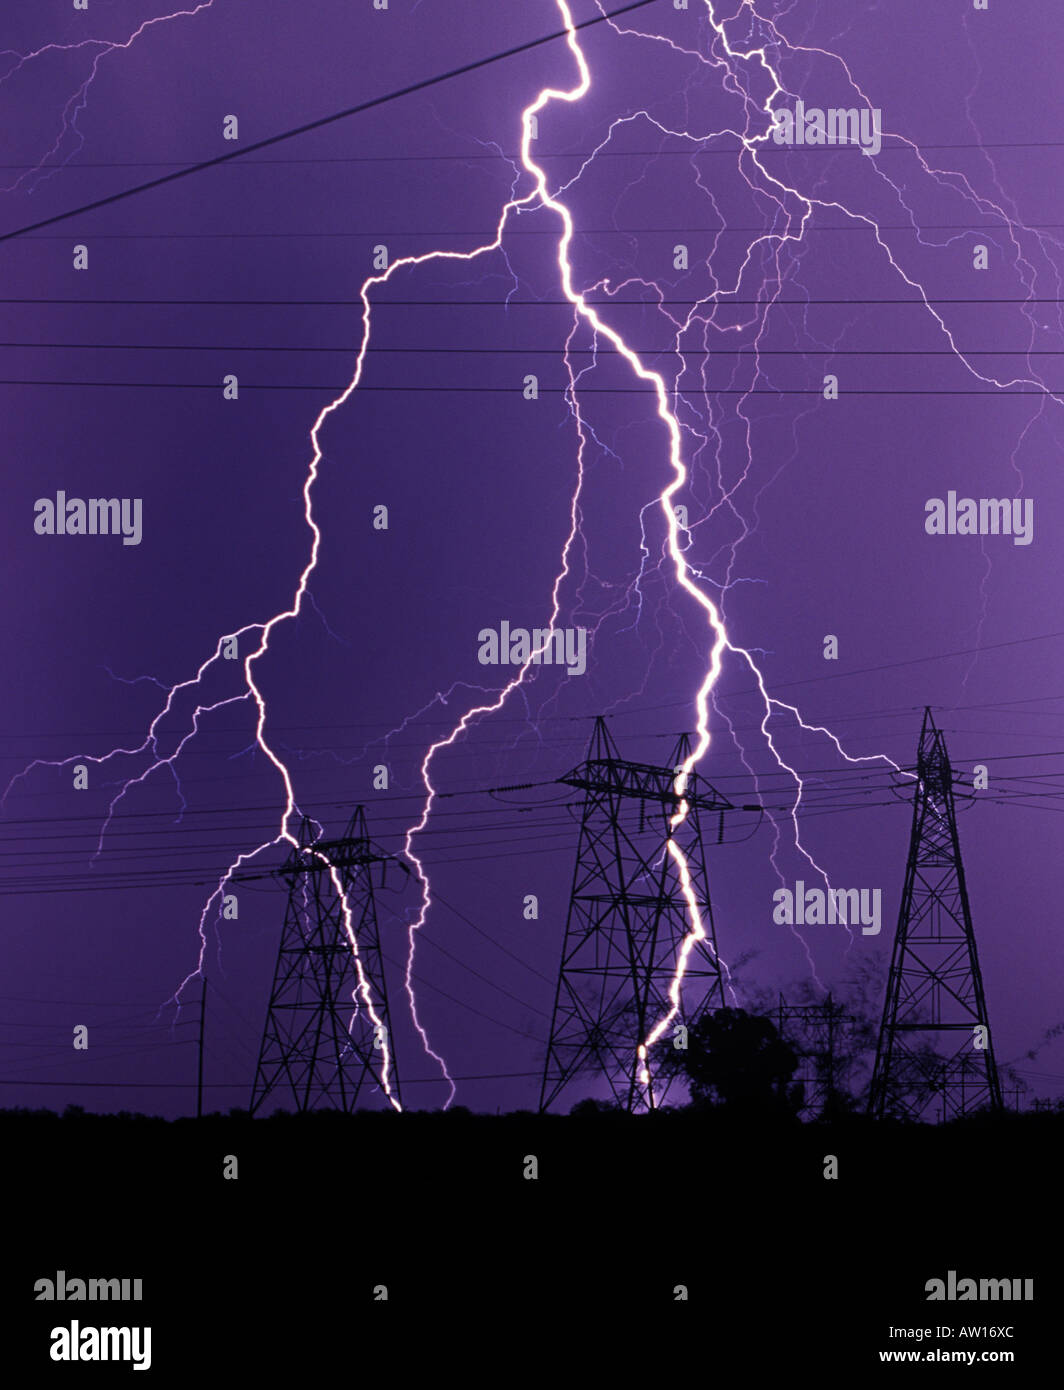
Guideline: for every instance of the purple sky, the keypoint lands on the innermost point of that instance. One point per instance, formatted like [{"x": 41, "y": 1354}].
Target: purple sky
[{"x": 807, "y": 516}]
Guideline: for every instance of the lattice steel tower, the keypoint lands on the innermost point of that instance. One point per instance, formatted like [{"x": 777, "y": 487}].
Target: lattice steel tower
[
  {"x": 627, "y": 921},
  {"x": 814, "y": 1033},
  {"x": 934, "y": 994},
  {"x": 320, "y": 1043}
]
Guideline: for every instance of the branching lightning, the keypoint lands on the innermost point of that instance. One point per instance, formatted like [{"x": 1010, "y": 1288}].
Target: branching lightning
[
  {"x": 679, "y": 540},
  {"x": 100, "y": 48}
]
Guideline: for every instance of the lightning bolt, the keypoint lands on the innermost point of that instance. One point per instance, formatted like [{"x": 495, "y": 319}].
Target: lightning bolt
[
  {"x": 678, "y": 541},
  {"x": 252, "y": 692},
  {"x": 586, "y": 312},
  {"x": 77, "y": 102},
  {"x": 724, "y": 55}
]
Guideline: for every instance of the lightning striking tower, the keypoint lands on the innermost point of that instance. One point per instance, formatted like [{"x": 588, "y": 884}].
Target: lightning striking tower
[
  {"x": 319, "y": 1041},
  {"x": 934, "y": 994},
  {"x": 627, "y": 922}
]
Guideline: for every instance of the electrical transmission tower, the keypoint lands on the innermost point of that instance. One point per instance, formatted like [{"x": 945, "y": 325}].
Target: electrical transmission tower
[
  {"x": 814, "y": 1032},
  {"x": 320, "y": 1042},
  {"x": 627, "y": 921},
  {"x": 934, "y": 994}
]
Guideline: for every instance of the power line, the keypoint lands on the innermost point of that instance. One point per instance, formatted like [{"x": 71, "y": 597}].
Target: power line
[
  {"x": 726, "y": 303},
  {"x": 427, "y": 939},
  {"x": 552, "y": 841},
  {"x": 319, "y": 124},
  {"x": 606, "y": 351},
  {"x": 475, "y": 156},
  {"x": 896, "y": 711},
  {"x": 1002, "y": 393},
  {"x": 434, "y": 233},
  {"x": 437, "y": 897},
  {"x": 463, "y": 1004},
  {"x": 242, "y": 1086},
  {"x": 498, "y": 822}
]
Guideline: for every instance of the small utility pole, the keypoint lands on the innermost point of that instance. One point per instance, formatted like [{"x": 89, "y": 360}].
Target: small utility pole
[{"x": 199, "y": 1075}]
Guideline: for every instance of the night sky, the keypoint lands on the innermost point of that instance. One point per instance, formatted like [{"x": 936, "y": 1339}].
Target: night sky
[{"x": 806, "y": 515}]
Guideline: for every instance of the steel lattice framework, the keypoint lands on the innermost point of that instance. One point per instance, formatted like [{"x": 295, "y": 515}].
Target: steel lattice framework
[
  {"x": 319, "y": 1043},
  {"x": 814, "y": 1031},
  {"x": 627, "y": 921},
  {"x": 935, "y": 1053}
]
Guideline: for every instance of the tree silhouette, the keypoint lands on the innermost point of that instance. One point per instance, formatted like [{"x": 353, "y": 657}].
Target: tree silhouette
[{"x": 738, "y": 1060}]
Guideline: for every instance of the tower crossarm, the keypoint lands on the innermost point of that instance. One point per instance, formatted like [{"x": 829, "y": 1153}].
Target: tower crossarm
[{"x": 645, "y": 782}]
